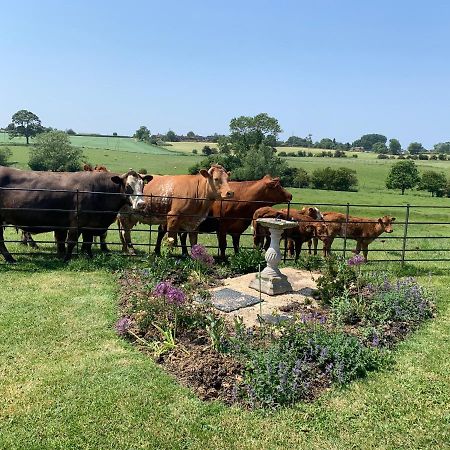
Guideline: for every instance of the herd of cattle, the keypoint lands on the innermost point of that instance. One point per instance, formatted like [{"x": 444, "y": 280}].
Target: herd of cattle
[{"x": 87, "y": 203}]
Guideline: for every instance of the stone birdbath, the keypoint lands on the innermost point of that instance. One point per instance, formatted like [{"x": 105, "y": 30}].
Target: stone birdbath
[{"x": 272, "y": 281}]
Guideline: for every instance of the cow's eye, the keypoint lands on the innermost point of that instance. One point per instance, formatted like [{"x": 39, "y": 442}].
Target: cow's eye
[{"x": 128, "y": 189}]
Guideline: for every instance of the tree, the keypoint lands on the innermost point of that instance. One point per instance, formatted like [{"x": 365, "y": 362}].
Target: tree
[
  {"x": 434, "y": 182},
  {"x": 415, "y": 148},
  {"x": 442, "y": 147},
  {"x": 250, "y": 132},
  {"x": 341, "y": 179},
  {"x": 142, "y": 134},
  {"x": 368, "y": 140},
  {"x": 395, "y": 147},
  {"x": 403, "y": 175},
  {"x": 379, "y": 147},
  {"x": 171, "y": 136},
  {"x": 191, "y": 135},
  {"x": 207, "y": 150},
  {"x": 24, "y": 123},
  {"x": 54, "y": 152},
  {"x": 115, "y": 134},
  {"x": 70, "y": 132}
]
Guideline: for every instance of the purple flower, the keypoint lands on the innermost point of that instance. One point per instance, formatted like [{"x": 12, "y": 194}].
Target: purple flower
[
  {"x": 375, "y": 341},
  {"x": 122, "y": 325},
  {"x": 199, "y": 253},
  {"x": 171, "y": 294},
  {"x": 356, "y": 260}
]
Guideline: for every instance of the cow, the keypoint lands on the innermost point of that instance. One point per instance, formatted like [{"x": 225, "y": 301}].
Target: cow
[
  {"x": 27, "y": 237},
  {"x": 363, "y": 230},
  {"x": 66, "y": 203},
  {"x": 315, "y": 214},
  {"x": 178, "y": 202},
  {"x": 307, "y": 228},
  {"x": 233, "y": 217}
]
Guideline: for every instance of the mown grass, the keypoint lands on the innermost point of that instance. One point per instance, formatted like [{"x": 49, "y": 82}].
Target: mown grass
[{"x": 67, "y": 381}]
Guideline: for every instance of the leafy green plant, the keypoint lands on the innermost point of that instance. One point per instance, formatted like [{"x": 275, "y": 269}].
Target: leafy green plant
[
  {"x": 246, "y": 261},
  {"x": 5, "y": 154},
  {"x": 217, "y": 332}
]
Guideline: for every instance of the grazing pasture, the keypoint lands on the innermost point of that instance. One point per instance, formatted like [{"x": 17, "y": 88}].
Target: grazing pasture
[{"x": 67, "y": 380}]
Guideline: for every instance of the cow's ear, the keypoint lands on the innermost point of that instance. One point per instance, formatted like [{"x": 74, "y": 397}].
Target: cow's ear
[
  {"x": 204, "y": 173},
  {"x": 116, "y": 179},
  {"x": 147, "y": 178},
  {"x": 311, "y": 210},
  {"x": 380, "y": 220},
  {"x": 229, "y": 174}
]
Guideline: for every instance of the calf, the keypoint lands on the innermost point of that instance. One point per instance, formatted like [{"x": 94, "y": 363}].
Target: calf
[
  {"x": 304, "y": 232},
  {"x": 363, "y": 230}
]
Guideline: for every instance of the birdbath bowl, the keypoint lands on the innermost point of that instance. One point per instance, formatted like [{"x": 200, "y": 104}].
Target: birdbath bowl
[{"x": 272, "y": 281}]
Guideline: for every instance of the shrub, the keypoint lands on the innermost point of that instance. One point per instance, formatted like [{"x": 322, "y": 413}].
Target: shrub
[
  {"x": 5, "y": 154},
  {"x": 246, "y": 261},
  {"x": 286, "y": 371},
  {"x": 341, "y": 179},
  {"x": 142, "y": 171},
  {"x": 423, "y": 157},
  {"x": 354, "y": 155},
  {"x": 194, "y": 151},
  {"x": 337, "y": 278},
  {"x": 54, "y": 152},
  {"x": 282, "y": 154},
  {"x": 382, "y": 156}
]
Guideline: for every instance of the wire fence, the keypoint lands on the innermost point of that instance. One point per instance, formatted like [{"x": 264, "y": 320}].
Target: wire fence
[{"x": 420, "y": 232}]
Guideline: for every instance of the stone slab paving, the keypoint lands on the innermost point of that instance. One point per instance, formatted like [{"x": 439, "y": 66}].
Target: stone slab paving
[
  {"x": 303, "y": 284},
  {"x": 228, "y": 300}
]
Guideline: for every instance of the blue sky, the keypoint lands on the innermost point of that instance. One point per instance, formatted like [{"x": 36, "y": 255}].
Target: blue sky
[{"x": 330, "y": 68}]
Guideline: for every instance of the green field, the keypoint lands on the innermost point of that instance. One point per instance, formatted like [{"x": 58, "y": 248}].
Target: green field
[{"x": 67, "y": 380}]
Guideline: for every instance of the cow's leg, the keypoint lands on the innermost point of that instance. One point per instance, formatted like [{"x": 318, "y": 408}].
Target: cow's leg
[
  {"x": 365, "y": 249},
  {"x": 183, "y": 242},
  {"x": 309, "y": 247},
  {"x": 162, "y": 230},
  {"x": 173, "y": 227},
  {"x": 315, "y": 242},
  {"x": 126, "y": 223},
  {"x": 298, "y": 248},
  {"x": 103, "y": 247},
  {"x": 236, "y": 241},
  {"x": 72, "y": 239},
  {"x": 88, "y": 240},
  {"x": 327, "y": 246},
  {"x": 60, "y": 239},
  {"x": 290, "y": 246},
  {"x": 222, "y": 240},
  {"x": 4, "y": 251}
]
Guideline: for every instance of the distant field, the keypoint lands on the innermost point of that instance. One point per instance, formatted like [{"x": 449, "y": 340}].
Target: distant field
[{"x": 187, "y": 147}]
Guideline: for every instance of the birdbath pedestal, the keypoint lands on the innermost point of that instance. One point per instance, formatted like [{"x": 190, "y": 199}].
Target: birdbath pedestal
[{"x": 272, "y": 281}]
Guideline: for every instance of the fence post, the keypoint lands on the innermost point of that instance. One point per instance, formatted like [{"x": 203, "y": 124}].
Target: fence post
[
  {"x": 345, "y": 228},
  {"x": 78, "y": 224},
  {"x": 405, "y": 233},
  {"x": 150, "y": 228}
]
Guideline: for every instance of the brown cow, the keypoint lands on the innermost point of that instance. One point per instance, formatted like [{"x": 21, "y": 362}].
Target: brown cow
[
  {"x": 178, "y": 202},
  {"x": 306, "y": 230},
  {"x": 364, "y": 231},
  {"x": 233, "y": 217},
  {"x": 66, "y": 203}
]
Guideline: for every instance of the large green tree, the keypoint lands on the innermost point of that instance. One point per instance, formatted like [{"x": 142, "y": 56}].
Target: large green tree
[
  {"x": 368, "y": 140},
  {"x": 247, "y": 133},
  {"x": 53, "y": 152},
  {"x": 395, "y": 147},
  {"x": 403, "y": 175},
  {"x": 142, "y": 134},
  {"x": 415, "y": 148},
  {"x": 171, "y": 136},
  {"x": 442, "y": 147},
  {"x": 434, "y": 182},
  {"x": 379, "y": 147},
  {"x": 24, "y": 123}
]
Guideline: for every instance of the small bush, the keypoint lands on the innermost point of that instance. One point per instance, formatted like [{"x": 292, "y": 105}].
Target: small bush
[
  {"x": 354, "y": 155},
  {"x": 246, "y": 261},
  {"x": 282, "y": 154},
  {"x": 5, "y": 154},
  {"x": 194, "y": 151},
  {"x": 142, "y": 171},
  {"x": 382, "y": 156}
]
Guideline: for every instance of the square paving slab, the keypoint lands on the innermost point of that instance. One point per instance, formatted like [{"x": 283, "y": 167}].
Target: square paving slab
[{"x": 228, "y": 300}]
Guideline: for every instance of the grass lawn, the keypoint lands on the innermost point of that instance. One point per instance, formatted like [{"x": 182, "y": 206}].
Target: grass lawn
[{"x": 67, "y": 381}]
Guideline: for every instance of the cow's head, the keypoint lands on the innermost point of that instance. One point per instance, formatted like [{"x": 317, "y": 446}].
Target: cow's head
[
  {"x": 273, "y": 191},
  {"x": 312, "y": 212},
  {"x": 217, "y": 178},
  {"x": 320, "y": 230},
  {"x": 132, "y": 184},
  {"x": 386, "y": 223}
]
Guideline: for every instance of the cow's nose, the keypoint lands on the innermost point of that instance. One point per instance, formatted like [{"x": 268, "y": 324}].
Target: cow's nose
[
  {"x": 139, "y": 204},
  {"x": 230, "y": 194}
]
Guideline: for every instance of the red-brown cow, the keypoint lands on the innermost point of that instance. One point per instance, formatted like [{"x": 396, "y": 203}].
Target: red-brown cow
[
  {"x": 178, "y": 202},
  {"x": 233, "y": 217}
]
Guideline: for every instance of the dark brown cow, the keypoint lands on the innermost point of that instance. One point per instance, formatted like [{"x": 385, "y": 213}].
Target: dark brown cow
[
  {"x": 307, "y": 228},
  {"x": 364, "y": 231},
  {"x": 233, "y": 217},
  {"x": 58, "y": 201},
  {"x": 178, "y": 202}
]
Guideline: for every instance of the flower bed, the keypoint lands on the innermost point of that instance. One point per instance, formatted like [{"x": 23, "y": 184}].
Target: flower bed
[{"x": 360, "y": 315}]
